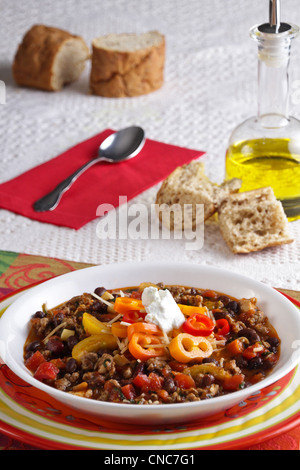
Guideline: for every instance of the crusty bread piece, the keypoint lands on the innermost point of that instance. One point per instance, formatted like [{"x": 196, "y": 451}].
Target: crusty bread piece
[
  {"x": 253, "y": 220},
  {"x": 48, "y": 58},
  {"x": 127, "y": 64},
  {"x": 188, "y": 184}
]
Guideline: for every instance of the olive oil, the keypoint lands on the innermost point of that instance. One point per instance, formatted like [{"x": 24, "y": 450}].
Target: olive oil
[
  {"x": 264, "y": 150},
  {"x": 268, "y": 162}
]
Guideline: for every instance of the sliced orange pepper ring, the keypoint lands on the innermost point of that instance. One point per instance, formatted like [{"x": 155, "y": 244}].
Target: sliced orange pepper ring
[
  {"x": 185, "y": 348},
  {"x": 144, "y": 347},
  {"x": 124, "y": 304},
  {"x": 145, "y": 328}
]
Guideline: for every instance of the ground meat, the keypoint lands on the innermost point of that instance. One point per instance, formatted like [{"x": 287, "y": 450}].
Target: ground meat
[
  {"x": 41, "y": 326},
  {"x": 106, "y": 365},
  {"x": 155, "y": 364},
  {"x": 67, "y": 381},
  {"x": 127, "y": 372},
  {"x": 62, "y": 384},
  {"x": 252, "y": 319},
  {"x": 232, "y": 367},
  {"x": 88, "y": 361}
]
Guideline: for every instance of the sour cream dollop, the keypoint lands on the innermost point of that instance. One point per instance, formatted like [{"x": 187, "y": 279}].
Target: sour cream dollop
[{"x": 161, "y": 309}]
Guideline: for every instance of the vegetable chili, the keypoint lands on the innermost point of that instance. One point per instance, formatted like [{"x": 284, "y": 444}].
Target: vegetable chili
[{"x": 100, "y": 345}]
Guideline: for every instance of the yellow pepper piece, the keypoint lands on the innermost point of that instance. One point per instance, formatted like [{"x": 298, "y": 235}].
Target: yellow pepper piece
[
  {"x": 92, "y": 326},
  {"x": 189, "y": 310},
  {"x": 92, "y": 344},
  {"x": 185, "y": 348}
]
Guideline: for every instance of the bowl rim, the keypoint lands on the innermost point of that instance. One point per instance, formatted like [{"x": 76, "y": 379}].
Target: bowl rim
[{"x": 62, "y": 396}]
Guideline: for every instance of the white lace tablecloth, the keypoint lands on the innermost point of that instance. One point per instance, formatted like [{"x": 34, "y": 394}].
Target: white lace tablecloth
[{"x": 210, "y": 87}]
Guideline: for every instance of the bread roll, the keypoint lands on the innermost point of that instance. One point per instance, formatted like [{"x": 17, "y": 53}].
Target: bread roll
[
  {"x": 127, "y": 64},
  {"x": 188, "y": 185},
  {"x": 253, "y": 220},
  {"x": 48, "y": 58}
]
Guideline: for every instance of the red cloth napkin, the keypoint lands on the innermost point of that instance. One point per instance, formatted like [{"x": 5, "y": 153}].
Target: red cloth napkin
[{"x": 101, "y": 184}]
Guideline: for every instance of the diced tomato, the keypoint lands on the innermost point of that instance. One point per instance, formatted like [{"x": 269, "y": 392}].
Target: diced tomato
[
  {"x": 254, "y": 350},
  {"x": 46, "y": 371},
  {"x": 184, "y": 381},
  {"x": 156, "y": 381},
  {"x": 233, "y": 383},
  {"x": 210, "y": 294},
  {"x": 141, "y": 381},
  {"x": 236, "y": 347},
  {"x": 153, "y": 382},
  {"x": 128, "y": 391},
  {"x": 34, "y": 361},
  {"x": 59, "y": 363}
]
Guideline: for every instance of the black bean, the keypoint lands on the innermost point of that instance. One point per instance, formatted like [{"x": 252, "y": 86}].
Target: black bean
[
  {"x": 274, "y": 343},
  {"x": 99, "y": 291},
  {"x": 225, "y": 300},
  {"x": 39, "y": 314},
  {"x": 219, "y": 315},
  {"x": 193, "y": 291},
  {"x": 71, "y": 365},
  {"x": 56, "y": 346},
  {"x": 99, "y": 307},
  {"x": 241, "y": 362},
  {"x": 33, "y": 346},
  {"x": 169, "y": 384},
  {"x": 234, "y": 307},
  {"x": 139, "y": 368},
  {"x": 255, "y": 363},
  {"x": 58, "y": 319},
  {"x": 250, "y": 334},
  {"x": 207, "y": 380},
  {"x": 71, "y": 341}
]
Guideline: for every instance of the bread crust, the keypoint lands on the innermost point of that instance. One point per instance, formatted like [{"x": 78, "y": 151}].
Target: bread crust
[
  {"x": 116, "y": 73},
  {"x": 35, "y": 57}
]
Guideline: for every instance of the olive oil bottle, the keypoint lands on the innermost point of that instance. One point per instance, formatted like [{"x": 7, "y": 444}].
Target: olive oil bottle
[{"x": 265, "y": 149}]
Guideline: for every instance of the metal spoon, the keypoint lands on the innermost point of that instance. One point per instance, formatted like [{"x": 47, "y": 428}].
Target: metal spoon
[{"x": 121, "y": 145}]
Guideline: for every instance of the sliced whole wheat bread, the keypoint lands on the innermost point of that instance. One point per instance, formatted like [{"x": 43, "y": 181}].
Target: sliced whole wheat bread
[
  {"x": 253, "y": 220},
  {"x": 188, "y": 185}
]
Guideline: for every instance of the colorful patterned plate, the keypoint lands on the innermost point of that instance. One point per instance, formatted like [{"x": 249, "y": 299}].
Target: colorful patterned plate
[{"x": 32, "y": 416}]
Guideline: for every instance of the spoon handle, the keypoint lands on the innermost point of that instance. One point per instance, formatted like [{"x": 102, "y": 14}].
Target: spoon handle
[{"x": 51, "y": 200}]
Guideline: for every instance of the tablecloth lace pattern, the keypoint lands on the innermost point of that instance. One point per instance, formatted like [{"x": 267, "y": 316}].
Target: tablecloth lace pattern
[{"x": 210, "y": 86}]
